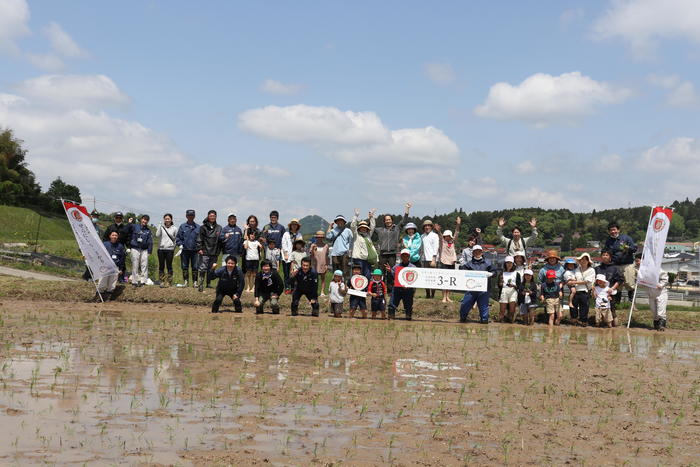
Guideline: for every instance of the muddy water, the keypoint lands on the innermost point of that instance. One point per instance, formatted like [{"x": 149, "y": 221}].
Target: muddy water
[{"x": 141, "y": 385}]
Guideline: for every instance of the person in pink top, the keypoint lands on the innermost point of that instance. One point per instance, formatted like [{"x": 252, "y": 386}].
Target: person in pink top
[
  {"x": 447, "y": 255},
  {"x": 319, "y": 258}
]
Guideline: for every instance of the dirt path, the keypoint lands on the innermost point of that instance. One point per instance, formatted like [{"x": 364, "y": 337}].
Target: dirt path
[{"x": 32, "y": 275}]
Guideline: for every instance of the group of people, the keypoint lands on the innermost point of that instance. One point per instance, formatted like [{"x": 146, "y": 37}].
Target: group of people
[{"x": 255, "y": 257}]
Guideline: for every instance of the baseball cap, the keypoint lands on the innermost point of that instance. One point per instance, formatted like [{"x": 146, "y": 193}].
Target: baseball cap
[
  {"x": 528, "y": 271},
  {"x": 477, "y": 247},
  {"x": 377, "y": 272},
  {"x": 509, "y": 259},
  {"x": 406, "y": 251},
  {"x": 338, "y": 272},
  {"x": 447, "y": 233},
  {"x": 118, "y": 214},
  {"x": 189, "y": 212},
  {"x": 551, "y": 274}
]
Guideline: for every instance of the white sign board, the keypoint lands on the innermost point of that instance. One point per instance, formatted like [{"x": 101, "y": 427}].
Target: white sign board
[{"x": 448, "y": 279}]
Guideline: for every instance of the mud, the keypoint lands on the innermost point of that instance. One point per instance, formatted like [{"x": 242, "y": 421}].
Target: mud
[{"x": 175, "y": 385}]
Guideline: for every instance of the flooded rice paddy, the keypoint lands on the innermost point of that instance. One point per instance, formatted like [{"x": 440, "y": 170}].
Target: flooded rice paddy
[{"x": 149, "y": 384}]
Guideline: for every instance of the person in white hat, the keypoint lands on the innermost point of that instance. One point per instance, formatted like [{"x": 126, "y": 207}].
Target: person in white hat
[
  {"x": 448, "y": 253},
  {"x": 401, "y": 293},
  {"x": 363, "y": 252},
  {"x": 340, "y": 239},
  {"x": 509, "y": 282},
  {"x": 603, "y": 295},
  {"x": 527, "y": 297}
]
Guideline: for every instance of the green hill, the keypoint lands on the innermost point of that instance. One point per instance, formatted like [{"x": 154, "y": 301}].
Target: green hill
[
  {"x": 55, "y": 235},
  {"x": 311, "y": 224}
]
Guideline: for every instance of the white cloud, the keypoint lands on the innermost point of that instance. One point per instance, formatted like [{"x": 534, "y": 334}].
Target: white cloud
[
  {"x": 62, "y": 42},
  {"x": 14, "y": 16},
  {"x": 480, "y": 188},
  {"x": 610, "y": 162},
  {"x": 571, "y": 16},
  {"x": 681, "y": 155},
  {"x": 683, "y": 96},
  {"x": 74, "y": 91},
  {"x": 543, "y": 99},
  {"x": 272, "y": 86},
  {"x": 351, "y": 137},
  {"x": 641, "y": 23},
  {"x": 525, "y": 167},
  {"x": 440, "y": 73},
  {"x": 49, "y": 62}
]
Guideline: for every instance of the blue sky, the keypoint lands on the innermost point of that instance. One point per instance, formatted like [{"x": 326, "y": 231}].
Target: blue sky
[{"x": 321, "y": 107}]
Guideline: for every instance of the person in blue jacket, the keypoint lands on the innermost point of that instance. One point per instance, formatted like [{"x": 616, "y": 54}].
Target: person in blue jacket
[
  {"x": 274, "y": 230},
  {"x": 141, "y": 246},
  {"x": 305, "y": 283},
  {"x": 339, "y": 236},
  {"x": 231, "y": 239},
  {"x": 622, "y": 247},
  {"x": 477, "y": 263},
  {"x": 186, "y": 238},
  {"x": 230, "y": 284},
  {"x": 117, "y": 252}
]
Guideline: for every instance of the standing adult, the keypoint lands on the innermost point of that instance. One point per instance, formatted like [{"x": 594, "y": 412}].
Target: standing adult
[
  {"x": 166, "y": 233},
  {"x": 622, "y": 248},
  {"x": 340, "y": 238},
  {"x": 208, "y": 248},
  {"x": 448, "y": 252},
  {"x": 431, "y": 250},
  {"x": 141, "y": 246},
  {"x": 363, "y": 252},
  {"x": 274, "y": 230},
  {"x": 585, "y": 279},
  {"x": 186, "y": 239},
  {"x": 477, "y": 263},
  {"x": 288, "y": 239},
  {"x": 615, "y": 280},
  {"x": 231, "y": 239},
  {"x": 388, "y": 238},
  {"x": 517, "y": 243}
]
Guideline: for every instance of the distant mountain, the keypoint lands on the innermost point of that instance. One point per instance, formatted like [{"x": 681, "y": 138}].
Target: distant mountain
[{"x": 311, "y": 224}]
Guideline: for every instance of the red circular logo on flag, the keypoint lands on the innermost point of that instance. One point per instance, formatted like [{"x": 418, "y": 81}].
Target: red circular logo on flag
[
  {"x": 659, "y": 224},
  {"x": 358, "y": 282},
  {"x": 76, "y": 215}
]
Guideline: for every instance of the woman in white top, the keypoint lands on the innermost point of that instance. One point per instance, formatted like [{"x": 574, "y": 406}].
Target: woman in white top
[
  {"x": 290, "y": 236},
  {"x": 509, "y": 282},
  {"x": 166, "y": 234},
  {"x": 431, "y": 250},
  {"x": 583, "y": 283}
]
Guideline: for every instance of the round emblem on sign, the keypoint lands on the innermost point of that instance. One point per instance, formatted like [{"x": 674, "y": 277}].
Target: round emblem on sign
[
  {"x": 409, "y": 276},
  {"x": 659, "y": 224},
  {"x": 359, "y": 282},
  {"x": 76, "y": 215},
  {"x": 471, "y": 284}
]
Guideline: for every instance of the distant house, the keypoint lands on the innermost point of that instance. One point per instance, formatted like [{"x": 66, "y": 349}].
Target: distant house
[
  {"x": 679, "y": 247},
  {"x": 589, "y": 250},
  {"x": 593, "y": 244}
]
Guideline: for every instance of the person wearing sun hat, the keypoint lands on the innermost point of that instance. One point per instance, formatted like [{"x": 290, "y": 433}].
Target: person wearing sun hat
[
  {"x": 477, "y": 263},
  {"x": 290, "y": 236},
  {"x": 551, "y": 264},
  {"x": 412, "y": 242},
  {"x": 603, "y": 293},
  {"x": 448, "y": 252},
  {"x": 340, "y": 239},
  {"x": 319, "y": 258},
  {"x": 363, "y": 252},
  {"x": 336, "y": 294}
]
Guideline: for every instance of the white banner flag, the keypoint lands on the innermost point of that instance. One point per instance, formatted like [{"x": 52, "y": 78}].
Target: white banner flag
[
  {"x": 448, "y": 279},
  {"x": 90, "y": 244},
  {"x": 654, "y": 245}
]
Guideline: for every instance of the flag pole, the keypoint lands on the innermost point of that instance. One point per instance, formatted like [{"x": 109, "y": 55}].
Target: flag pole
[
  {"x": 92, "y": 278},
  {"x": 636, "y": 285}
]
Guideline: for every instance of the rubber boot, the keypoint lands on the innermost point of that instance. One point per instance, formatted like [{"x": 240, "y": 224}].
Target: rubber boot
[
  {"x": 314, "y": 309},
  {"x": 662, "y": 325},
  {"x": 161, "y": 278},
  {"x": 195, "y": 278},
  {"x": 201, "y": 283},
  {"x": 275, "y": 310},
  {"x": 657, "y": 324},
  {"x": 185, "y": 277},
  {"x": 409, "y": 315}
]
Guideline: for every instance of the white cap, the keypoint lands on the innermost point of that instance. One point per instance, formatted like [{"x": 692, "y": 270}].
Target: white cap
[
  {"x": 509, "y": 259},
  {"x": 601, "y": 277},
  {"x": 477, "y": 247},
  {"x": 528, "y": 271},
  {"x": 447, "y": 233},
  {"x": 405, "y": 251}
]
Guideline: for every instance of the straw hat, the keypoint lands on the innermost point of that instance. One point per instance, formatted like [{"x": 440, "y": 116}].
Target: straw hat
[
  {"x": 552, "y": 254},
  {"x": 587, "y": 256},
  {"x": 294, "y": 221},
  {"x": 319, "y": 234}
]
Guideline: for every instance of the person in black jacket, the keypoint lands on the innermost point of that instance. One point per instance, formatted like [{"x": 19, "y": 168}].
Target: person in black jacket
[
  {"x": 305, "y": 283},
  {"x": 208, "y": 247},
  {"x": 124, "y": 231},
  {"x": 268, "y": 287},
  {"x": 230, "y": 284},
  {"x": 117, "y": 252}
]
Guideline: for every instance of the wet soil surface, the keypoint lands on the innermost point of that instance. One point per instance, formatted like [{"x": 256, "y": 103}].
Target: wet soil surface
[{"x": 175, "y": 385}]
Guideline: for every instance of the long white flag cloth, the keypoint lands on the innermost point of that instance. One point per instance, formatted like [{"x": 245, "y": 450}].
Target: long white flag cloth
[
  {"x": 92, "y": 248},
  {"x": 654, "y": 245}
]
